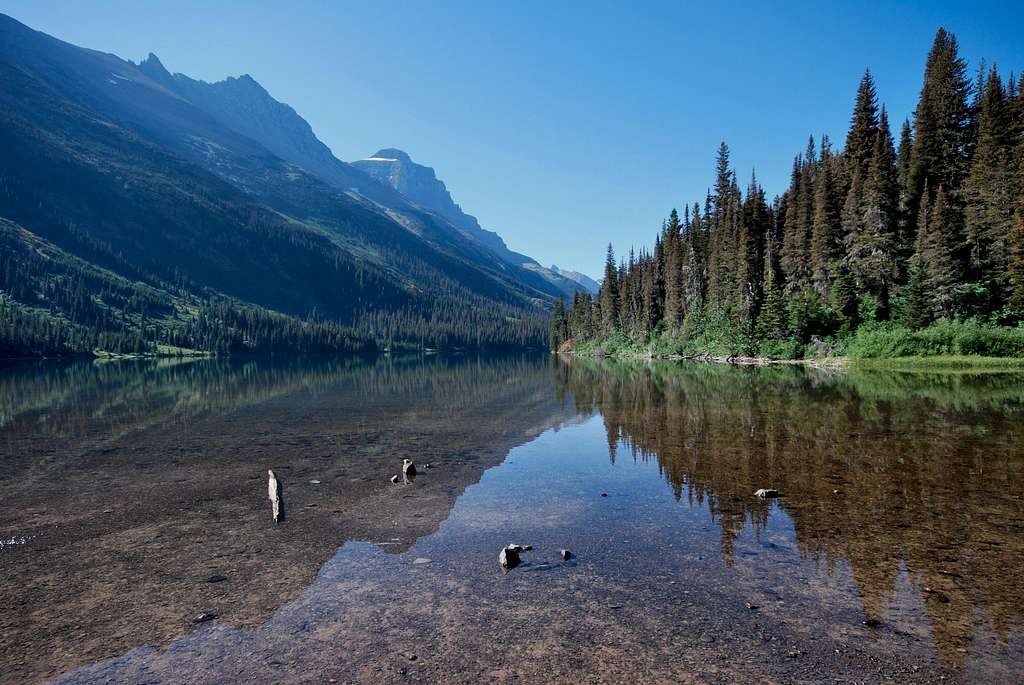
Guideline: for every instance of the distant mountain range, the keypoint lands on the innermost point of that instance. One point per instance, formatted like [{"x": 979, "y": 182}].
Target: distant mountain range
[
  {"x": 217, "y": 195},
  {"x": 420, "y": 185}
]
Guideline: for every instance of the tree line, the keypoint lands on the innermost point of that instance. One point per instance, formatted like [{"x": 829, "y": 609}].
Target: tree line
[{"x": 924, "y": 228}]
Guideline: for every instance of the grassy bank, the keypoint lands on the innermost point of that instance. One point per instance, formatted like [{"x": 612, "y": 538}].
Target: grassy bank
[{"x": 950, "y": 344}]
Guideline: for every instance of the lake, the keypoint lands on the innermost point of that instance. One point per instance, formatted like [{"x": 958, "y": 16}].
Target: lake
[{"x": 138, "y": 544}]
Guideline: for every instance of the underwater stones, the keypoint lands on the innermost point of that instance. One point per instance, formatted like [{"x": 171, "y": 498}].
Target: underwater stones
[
  {"x": 508, "y": 558},
  {"x": 767, "y": 493}
]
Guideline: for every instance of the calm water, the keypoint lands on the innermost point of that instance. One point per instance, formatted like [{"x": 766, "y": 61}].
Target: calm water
[{"x": 135, "y": 498}]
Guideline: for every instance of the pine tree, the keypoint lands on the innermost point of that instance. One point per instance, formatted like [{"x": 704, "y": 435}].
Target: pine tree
[
  {"x": 826, "y": 238},
  {"x": 942, "y": 124},
  {"x": 936, "y": 245},
  {"x": 871, "y": 254},
  {"x": 754, "y": 224},
  {"x": 989, "y": 209},
  {"x": 608, "y": 297},
  {"x": 917, "y": 312},
  {"x": 863, "y": 128},
  {"x": 723, "y": 234},
  {"x": 559, "y": 327},
  {"x": 1015, "y": 276},
  {"x": 792, "y": 238},
  {"x": 771, "y": 322},
  {"x": 673, "y": 273},
  {"x": 903, "y": 158}
]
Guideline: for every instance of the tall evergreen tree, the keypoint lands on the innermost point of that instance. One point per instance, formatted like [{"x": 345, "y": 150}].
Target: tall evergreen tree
[
  {"x": 989, "y": 195},
  {"x": 863, "y": 128},
  {"x": 937, "y": 246},
  {"x": 942, "y": 124},
  {"x": 826, "y": 237},
  {"x": 672, "y": 247},
  {"x": 871, "y": 255},
  {"x": 608, "y": 297}
]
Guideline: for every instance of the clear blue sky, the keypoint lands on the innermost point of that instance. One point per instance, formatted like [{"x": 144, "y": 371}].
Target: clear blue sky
[{"x": 563, "y": 126}]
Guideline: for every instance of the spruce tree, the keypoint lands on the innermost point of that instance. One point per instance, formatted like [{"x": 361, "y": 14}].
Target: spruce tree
[
  {"x": 671, "y": 245},
  {"x": 917, "y": 309},
  {"x": 942, "y": 124},
  {"x": 863, "y": 128},
  {"x": 608, "y": 297},
  {"x": 937, "y": 245},
  {"x": 826, "y": 238},
  {"x": 792, "y": 239},
  {"x": 989, "y": 210},
  {"x": 559, "y": 332},
  {"x": 754, "y": 225},
  {"x": 871, "y": 254},
  {"x": 1015, "y": 275}
]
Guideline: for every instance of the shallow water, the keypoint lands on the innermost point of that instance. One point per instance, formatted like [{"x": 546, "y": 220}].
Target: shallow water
[{"x": 894, "y": 554}]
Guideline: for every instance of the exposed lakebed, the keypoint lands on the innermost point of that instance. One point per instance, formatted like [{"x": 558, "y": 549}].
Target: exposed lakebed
[{"x": 136, "y": 494}]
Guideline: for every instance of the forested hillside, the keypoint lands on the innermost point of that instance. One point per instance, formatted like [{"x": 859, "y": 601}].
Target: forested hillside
[
  {"x": 133, "y": 221},
  {"x": 912, "y": 245}
]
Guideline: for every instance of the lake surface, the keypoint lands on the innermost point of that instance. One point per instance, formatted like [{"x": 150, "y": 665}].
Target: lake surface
[{"x": 138, "y": 546}]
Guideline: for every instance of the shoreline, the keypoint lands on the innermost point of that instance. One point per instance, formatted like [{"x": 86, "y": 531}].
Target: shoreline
[
  {"x": 891, "y": 363},
  {"x": 735, "y": 360}
]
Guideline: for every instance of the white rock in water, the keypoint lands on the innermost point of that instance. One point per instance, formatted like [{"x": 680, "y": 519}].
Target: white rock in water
[
  {"x": 274, "y": 491},
  {"x": 766, "y": 493}
]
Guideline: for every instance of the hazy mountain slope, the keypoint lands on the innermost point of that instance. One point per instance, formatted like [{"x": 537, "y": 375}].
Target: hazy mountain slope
[
  {"x": 245, "y": 107},
  {"x": 420, "y": 185},
  {"x": 583, "y": 279}
]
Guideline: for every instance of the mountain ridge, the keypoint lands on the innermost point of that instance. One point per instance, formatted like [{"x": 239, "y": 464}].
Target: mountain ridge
[{"x": 109, "y": 164}]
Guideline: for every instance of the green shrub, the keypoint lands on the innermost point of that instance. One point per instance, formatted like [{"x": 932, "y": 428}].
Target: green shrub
[
  {"x": 791, "y": 348},
  {"x": 942, "y": 338}
]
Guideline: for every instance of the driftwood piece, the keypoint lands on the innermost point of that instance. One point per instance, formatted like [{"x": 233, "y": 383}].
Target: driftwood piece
[{"x": 276, "y": 493}]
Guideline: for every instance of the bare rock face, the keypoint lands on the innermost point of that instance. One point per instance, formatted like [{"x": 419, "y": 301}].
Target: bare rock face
[
  {"x": 276, "y": 493},
  {"x": 767, "y": 493},
  {"x": 508, "y": 558}
]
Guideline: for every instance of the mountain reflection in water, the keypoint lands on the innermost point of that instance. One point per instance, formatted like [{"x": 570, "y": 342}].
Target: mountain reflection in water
[{"x": 891, "y": 555}]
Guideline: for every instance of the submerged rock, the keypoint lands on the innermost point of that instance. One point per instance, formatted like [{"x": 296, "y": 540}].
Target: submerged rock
[
  {"x": 508, "y": 558},
  {"x": 566, "y": 554},
  {"x": 767, "y": 493},
  {"x": 276, "y": 493}
]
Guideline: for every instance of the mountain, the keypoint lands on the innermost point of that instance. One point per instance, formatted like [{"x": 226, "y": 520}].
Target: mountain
[
  {"x": 115, "y": 168},
  {"x": 420, "y": 185},
  {"x": 584, "y": 280},
  {"x": 244, "y": 106}
]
